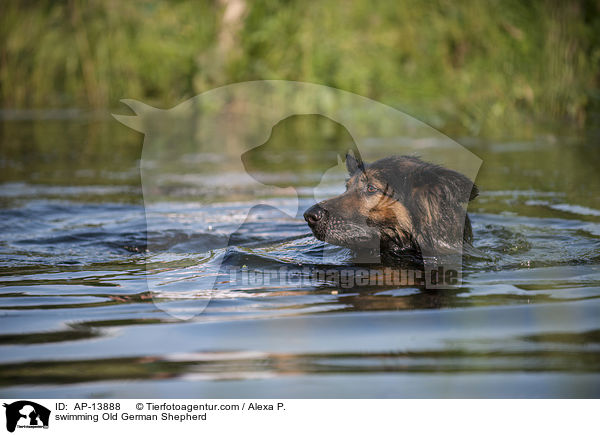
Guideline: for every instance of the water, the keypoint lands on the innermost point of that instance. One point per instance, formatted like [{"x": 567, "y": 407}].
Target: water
[{"x": 78, "y": 319}]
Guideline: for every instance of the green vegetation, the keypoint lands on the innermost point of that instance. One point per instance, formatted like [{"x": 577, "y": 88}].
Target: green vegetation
[{"x": 467, "y": 67}]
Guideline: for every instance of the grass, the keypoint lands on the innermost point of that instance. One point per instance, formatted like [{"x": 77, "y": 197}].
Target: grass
[{"x": 467, "y": 67}]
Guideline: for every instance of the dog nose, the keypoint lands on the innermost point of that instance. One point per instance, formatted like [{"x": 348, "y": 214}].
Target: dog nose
[{"x": 314, "y": 214}]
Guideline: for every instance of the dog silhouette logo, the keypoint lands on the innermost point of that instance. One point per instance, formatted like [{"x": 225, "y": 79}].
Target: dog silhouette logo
[
  {"x": 26, "y": 414},
  {"x": 280, "y": 145}
]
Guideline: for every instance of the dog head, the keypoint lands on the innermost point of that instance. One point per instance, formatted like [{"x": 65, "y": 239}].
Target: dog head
[{"x": 396, "y": 203}]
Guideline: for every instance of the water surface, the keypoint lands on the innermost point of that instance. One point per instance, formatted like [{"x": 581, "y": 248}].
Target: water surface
[{"x": 78, "y": 319}]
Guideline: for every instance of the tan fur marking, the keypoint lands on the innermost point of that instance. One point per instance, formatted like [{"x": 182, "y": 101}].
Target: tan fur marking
[{"x": 390, "y": 211}]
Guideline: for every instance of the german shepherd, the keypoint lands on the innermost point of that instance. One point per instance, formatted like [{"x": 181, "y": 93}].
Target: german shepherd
[{"x": 400, "y": 205}]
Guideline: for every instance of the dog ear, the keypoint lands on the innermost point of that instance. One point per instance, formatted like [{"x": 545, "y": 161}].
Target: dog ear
[{"x": 353, "y": 164}]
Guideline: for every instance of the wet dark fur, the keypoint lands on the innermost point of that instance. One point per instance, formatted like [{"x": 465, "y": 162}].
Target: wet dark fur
[{"x": 401, "y": 205}]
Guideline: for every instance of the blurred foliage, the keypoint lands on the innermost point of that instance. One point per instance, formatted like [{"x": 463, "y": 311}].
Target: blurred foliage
[{"x": 466, "y": 67}]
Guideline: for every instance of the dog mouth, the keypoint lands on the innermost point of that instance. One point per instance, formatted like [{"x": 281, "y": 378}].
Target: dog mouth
[
  {"x": 332, "y": 228},
  {"x": 347, "y": 235},
  {"x": 318, "y": 232}
]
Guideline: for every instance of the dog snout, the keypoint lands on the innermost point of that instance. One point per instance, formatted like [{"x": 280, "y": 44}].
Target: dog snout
[{"x": 314, "y": 214}]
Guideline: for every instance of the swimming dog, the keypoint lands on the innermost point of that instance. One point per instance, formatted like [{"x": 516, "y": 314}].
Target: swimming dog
[{"x": 400, "y": 205}]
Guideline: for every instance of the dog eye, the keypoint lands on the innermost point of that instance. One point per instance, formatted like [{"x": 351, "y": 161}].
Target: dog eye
[{"x": 371, "y": 188}]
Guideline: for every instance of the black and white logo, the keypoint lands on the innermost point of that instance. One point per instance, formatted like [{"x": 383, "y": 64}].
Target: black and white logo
[{"x": 26, "y": 414}]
